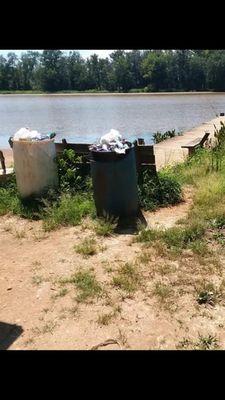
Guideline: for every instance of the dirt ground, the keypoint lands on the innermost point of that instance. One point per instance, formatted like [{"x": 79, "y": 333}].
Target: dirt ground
[{"x": 33, "y": 262}]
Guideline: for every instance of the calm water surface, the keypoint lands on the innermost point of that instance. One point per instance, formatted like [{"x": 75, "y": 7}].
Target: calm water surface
[{"x": 86, "y": 118}]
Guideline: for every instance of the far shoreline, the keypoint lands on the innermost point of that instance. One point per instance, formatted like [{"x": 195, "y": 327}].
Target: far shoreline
[{"x": 112, "y": 94}]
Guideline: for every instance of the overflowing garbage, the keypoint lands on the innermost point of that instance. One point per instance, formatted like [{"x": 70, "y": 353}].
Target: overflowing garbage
[
  {"x": 27, "y": 134},
  {"x": 111, "y": 141},
  {"x": 34, "y": 162}
]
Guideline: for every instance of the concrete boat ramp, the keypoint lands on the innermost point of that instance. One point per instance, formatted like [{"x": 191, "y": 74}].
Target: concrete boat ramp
[{"x": 170, "y": 151}]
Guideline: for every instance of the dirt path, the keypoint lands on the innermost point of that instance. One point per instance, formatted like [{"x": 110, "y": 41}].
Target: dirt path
[
  {"x": 50, "y": 316},
  {"x": 31, "y": 263}
]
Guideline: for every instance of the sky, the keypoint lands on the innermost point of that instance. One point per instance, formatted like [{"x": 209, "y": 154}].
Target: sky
[{"x": 84, "y": 53}]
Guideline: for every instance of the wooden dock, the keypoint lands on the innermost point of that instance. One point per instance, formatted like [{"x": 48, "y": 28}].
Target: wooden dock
[{"x": 170, "y": 151}]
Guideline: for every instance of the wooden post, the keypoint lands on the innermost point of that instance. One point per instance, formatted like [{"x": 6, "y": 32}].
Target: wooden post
[{"x": 2, "y": 160}]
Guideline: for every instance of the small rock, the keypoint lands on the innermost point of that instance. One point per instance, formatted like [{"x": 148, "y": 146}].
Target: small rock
[{"x": 9, "y": 288}]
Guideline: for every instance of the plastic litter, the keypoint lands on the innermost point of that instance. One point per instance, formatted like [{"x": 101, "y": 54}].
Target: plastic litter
[
  {"x": 27, "y": 134},
  {"x": 34, "y": 156},
  {"x": 111, "y": 141}
]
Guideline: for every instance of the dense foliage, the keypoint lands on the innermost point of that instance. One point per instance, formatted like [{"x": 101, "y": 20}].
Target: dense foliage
[
  {"x": 158, "y": 190},
  {"x": 73, "y": 174},
  {"x": 136, "y": 70},
  {"x": 159, "y": 137}
]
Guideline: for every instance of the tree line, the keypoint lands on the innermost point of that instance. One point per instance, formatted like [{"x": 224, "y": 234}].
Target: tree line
[{"x": 136, "y": 70}]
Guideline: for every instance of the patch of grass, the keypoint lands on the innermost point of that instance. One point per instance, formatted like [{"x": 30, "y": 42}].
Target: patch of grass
[
  {"x": 47, "y": 328},
  {"x": 73, "y": 310},
  {"x": 208, "y": 342},
  {"x": 39, "y": 235},
  {"x": 166, "y": 269},
  {"x": 128, "y": 278},
  {"x": 9, "y": 201},
  {"x": 218, "y": 222},
  {"x": 219, "y": 237},
  {"x": 86, "y": 283},
  {"x": 148, "y": 235},
  {"x": 199, "y": 247},
  {"x": 8, "y": 228},
  {"x": 162, "y": 291},
  {"x": 88, "y": 247},
  {"x": 144, "y": 258},
  {"x": 194, "y": 168},
  {"x": 69, "y": 211},
  {"x": 105, "y": 226},
  {"x": 158, "y": 190},
  {"x": 105, "y": 319},
  {"x": 208, "y": 294},
  {"x": 184, "y": 344},
  {"x": 175, "y": 237},
  {"x": 20, "y": 233},
  {"x": 61, "y": 293},
  {"x": 37, "y": 279}
]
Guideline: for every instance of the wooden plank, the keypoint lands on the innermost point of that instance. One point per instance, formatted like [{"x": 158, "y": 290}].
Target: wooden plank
[
  {"x": 144, "y": 150},
  {"x": 2, "y": 160},
  {"x": 144, "y": 154},
  {"x": 79, "y": 148}
]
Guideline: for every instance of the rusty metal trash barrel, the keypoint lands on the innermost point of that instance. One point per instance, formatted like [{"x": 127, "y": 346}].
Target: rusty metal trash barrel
[{"x": 114, "y": 179}]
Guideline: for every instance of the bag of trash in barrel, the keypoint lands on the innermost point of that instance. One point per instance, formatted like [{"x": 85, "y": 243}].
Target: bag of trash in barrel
[{"x": 34, "y": 162}]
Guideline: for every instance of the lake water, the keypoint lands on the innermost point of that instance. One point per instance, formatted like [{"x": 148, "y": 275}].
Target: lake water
[{"x": 85, "y": 118}]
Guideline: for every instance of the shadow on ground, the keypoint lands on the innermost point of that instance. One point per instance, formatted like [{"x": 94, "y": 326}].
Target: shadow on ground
[{"x": 8, "y": 334}]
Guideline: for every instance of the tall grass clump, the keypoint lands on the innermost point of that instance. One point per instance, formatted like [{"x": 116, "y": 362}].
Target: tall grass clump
[
  {"x": 11, "y": 203},
  {"x": 158, "y": 190},
  {"x": 69, "y": 210},
  {"x": 175, "y": 238},
  {"x": 205, "y": 171}
]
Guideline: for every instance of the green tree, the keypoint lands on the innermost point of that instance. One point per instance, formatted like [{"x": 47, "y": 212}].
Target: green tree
[
  {"x": 77, "y": 71},
  {"x": 53, "y": 73},
  {"x": 155, "y": 71},
  {"x": 121, "y": 76}
]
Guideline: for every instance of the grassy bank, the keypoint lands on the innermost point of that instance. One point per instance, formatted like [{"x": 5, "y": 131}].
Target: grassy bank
[
  {"x": 74, "y": 198},
  {"x": 205, "y": 174}
]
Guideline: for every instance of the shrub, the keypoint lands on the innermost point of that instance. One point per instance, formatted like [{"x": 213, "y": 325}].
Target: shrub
[
  {"x": 69, "y": 210},
  {"x": 88, "y": 247},
  {"x": 73, "y": 174},
  {"x": 105, "y": 226},
  {"x": 159, "y": 137},
  {"x": 158, "y": 190}
]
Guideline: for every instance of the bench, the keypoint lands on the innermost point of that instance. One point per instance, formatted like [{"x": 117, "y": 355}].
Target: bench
[{"x": 196, "y": 143}]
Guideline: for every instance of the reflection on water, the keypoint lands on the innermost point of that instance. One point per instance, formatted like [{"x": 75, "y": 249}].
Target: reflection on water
[{"x": 86, "y": 118}]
